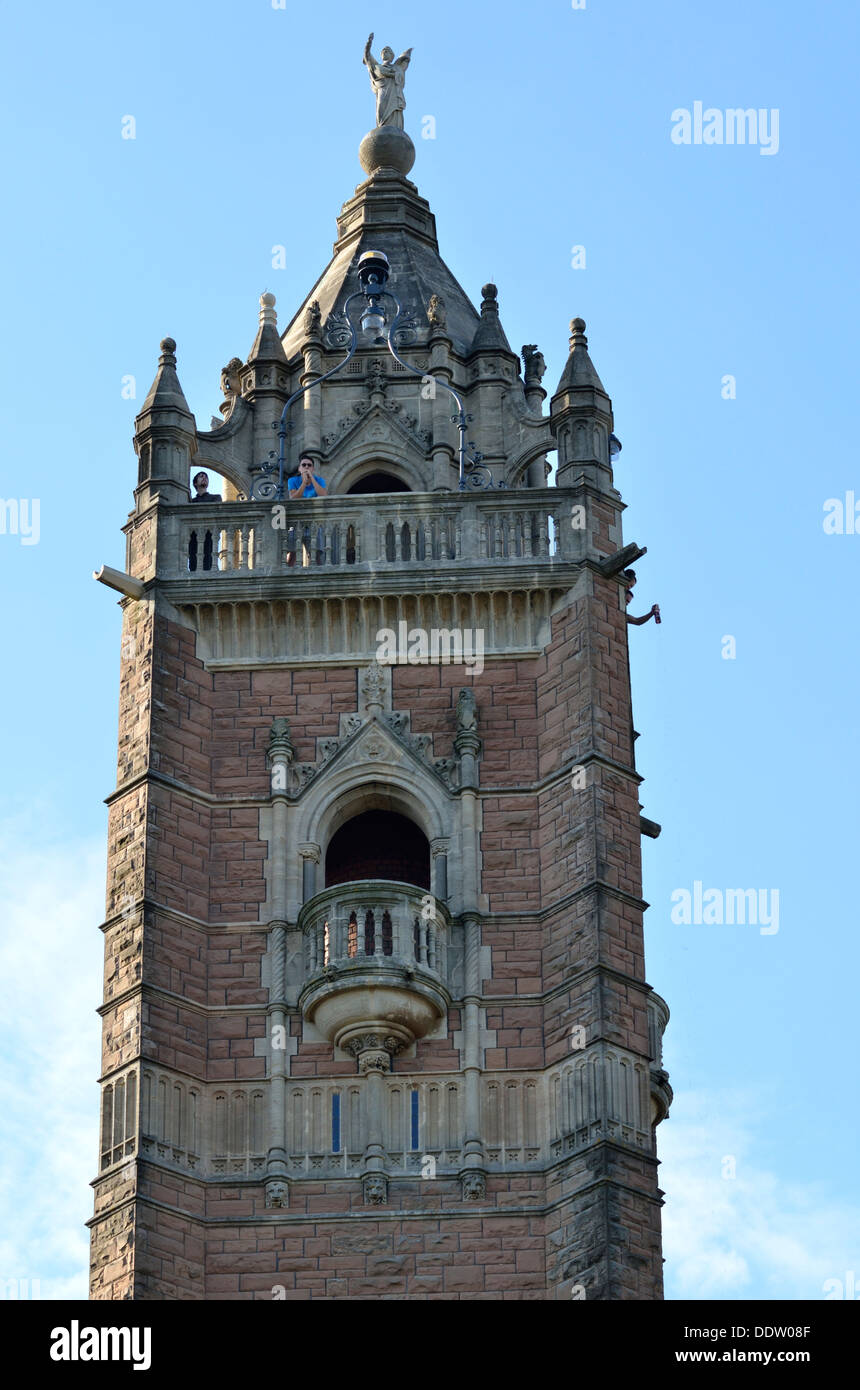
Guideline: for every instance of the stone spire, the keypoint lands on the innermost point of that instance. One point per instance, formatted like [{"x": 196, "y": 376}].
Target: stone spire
[
  {"x": 579, "y": 369},
  {"x": 581, "y": 417},
  {"x": 267, "y": 344},
  {"x": 165, "y": 436},
  {"x": 266, "y": 377},
  {"x": 165, "y": 393},
  {"x": 490, "y": 336}
]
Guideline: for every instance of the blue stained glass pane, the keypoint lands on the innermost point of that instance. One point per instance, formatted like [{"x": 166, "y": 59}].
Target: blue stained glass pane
[
  {"x": 335, "y": 1123},
  {"x": 414, "y": 1118}
]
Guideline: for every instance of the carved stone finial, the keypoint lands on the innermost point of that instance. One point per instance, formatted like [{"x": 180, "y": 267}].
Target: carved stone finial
[
  {"x": 535, "y": 366},
  {"x": 491, "y": 294},
  {"x": 374, "y": 687},
  {"x": 267, "y": 309},
  {"x": 436, "y": 313},
  {"x": 168, "y": 349},
  {"x": 467, "y": 710},
  {"x": 473, "y": 1185},
  {"x": 375, "y": 1189},
  {"x": 577, "y": 334},
  {"x": 280, "y": 743}
]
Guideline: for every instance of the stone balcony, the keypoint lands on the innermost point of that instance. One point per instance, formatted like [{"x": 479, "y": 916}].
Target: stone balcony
[
  {"x": 376, "y": 966},
  {"x": 370, "y": 533},
  {"x": 661, "y": 1091}
]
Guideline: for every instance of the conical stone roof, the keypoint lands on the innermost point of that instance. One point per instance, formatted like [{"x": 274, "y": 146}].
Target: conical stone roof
[{"x": 388, "y": 214}]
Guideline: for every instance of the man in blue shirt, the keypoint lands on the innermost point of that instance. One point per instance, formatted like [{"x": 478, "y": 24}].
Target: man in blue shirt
[{"x": 305, "y": 483}]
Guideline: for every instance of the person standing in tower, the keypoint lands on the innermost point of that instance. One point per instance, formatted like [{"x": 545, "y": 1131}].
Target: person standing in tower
[
  {"x": 388, "y": 79},
  {"x": 305, "y": 483}
]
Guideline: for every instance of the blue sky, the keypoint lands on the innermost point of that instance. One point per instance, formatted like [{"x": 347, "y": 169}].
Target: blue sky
[{"x": 552, "y": 130}]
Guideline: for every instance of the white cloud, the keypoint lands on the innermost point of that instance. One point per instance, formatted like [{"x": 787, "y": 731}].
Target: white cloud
[
  {"x": 754, "y": 1236},
  {"x": 52, "y": 890}
]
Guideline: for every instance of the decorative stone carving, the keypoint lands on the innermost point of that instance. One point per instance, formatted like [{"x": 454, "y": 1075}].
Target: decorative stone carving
[
  {"x": 375, "y": 1189},
  {"x": 277, "y": 1194},
  {"x": 231, "y": 385},
  {"x": 311, "y": 852},
  {"x": 436, "y": 313},
  {"x": 374, "y": 700},
  {"x": 373, "y": 1051},
  {"x": 280, "y": 743},
  {"x": 377, "y": 377},
  {"x": 467, "y": 714},
  {"x": 388, "y": 79},
  {"x": 535, "y": 366},
  {"x": 374, "y": 687},
  {"x": 473, "y": 1185},
  {"x": 374, "y": 1061},
  {"x": 313, "y": 320}
]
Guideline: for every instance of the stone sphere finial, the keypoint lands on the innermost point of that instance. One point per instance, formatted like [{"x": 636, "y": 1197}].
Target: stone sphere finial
[
  {"x": 577, "y": 334},
  {"x": 168, "y": 345},
  {"x": 388, "y": 148},
  {"x": 267, "y": 299},
  {"x": 490, "y": 291}
]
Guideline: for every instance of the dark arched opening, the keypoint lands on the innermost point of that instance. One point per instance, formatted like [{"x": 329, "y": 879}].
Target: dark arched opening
[
  {"x": 378, "y": 482},
  {"x": 378, "y": 844}
]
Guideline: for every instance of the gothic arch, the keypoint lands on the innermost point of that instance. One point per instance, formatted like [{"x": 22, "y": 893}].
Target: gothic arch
[
  {"x": 362, "y": 455},
  {"x": 383, "y": 784},
  {"x": 521, "y": 464}
]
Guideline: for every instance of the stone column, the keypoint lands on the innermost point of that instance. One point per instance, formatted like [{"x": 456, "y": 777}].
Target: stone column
[
  {"x": 439, "y": 855},
  {"x": 468, "y": 745},
  {"x": 280, "y": 756},
  {"x": 311, "y": 405},
  {"x": 310, "y": 857},
  {"x": 373, "y": 1053},
  {"x": 442, "y": 407}
]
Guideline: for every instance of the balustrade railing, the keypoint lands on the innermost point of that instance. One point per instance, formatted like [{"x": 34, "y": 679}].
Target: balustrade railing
[
  {"x": 404, "y": 530},
  {"x": 375, "y": 923}
]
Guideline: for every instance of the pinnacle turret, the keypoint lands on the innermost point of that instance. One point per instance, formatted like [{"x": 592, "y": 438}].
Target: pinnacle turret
[
  {"x": 267, "y": 344},
  {"x": 165, "y": 436},
  {"x": 581, "y": 417},
  {"x": 490, "y": 335},
  {"x": 165, "y": 393},
  {"x": 579, "y": 370}
]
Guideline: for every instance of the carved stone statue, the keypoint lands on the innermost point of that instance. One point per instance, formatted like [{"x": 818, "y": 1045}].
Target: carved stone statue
[
  {"x": 436, "y": 311},
  {"x": 313, "y": 319},
  {"x": 387, "y": 78},
  {"x": 534, "y": 363},
  {"x": 230, "y": 383},
  {"x": 467, "y": 715}
]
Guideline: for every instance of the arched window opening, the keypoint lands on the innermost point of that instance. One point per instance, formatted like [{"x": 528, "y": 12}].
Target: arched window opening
[
  {"x": 378, "y": 844},
  {"x": 378, "y": 482}
]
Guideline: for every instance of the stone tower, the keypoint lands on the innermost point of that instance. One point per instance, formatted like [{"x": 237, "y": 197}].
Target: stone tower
[{"x": 375, "y": 1021}]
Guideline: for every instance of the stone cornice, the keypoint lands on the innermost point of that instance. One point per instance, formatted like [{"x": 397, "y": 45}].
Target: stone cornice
[{"x": 388, "y": 1213}]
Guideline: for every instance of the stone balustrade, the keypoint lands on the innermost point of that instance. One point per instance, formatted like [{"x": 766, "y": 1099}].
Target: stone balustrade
[
  {"x": 403, "y": 531},
  {"x": 376, "y": 964},
  {"x": 376, "y": 921}
]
